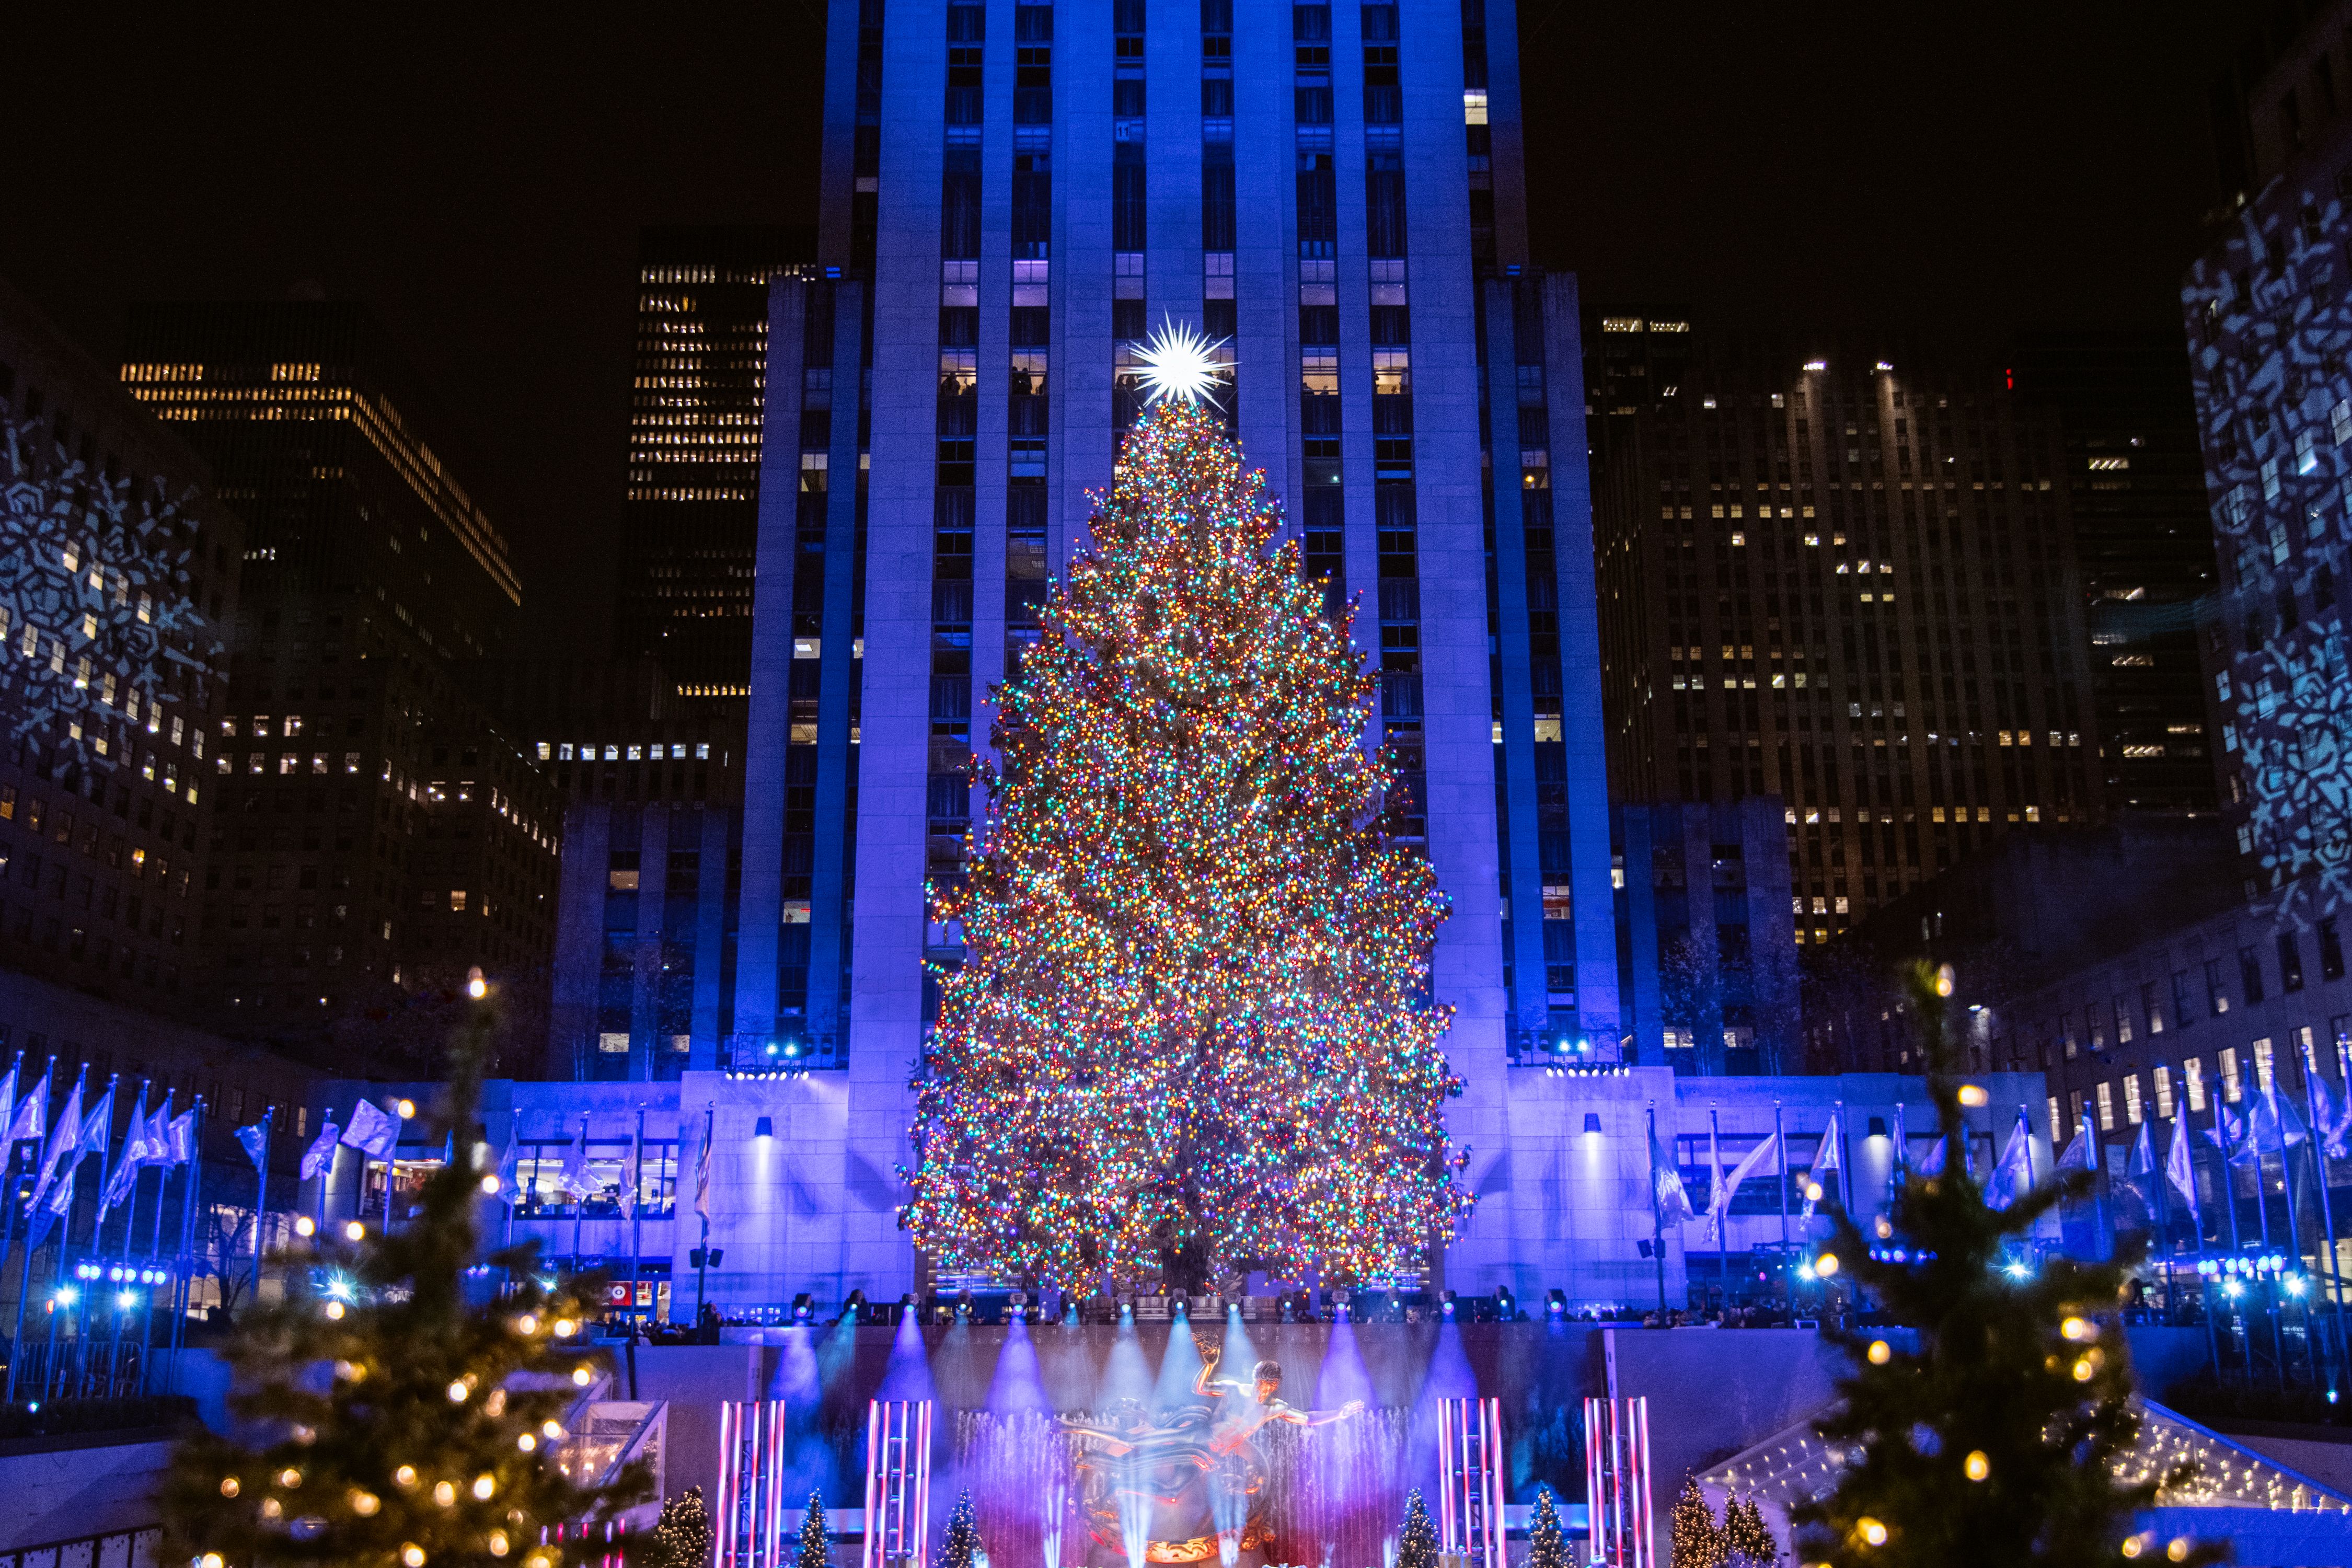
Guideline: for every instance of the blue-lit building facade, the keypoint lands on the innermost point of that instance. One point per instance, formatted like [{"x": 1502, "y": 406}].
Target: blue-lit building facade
[{"x": 1014, "y": 196}]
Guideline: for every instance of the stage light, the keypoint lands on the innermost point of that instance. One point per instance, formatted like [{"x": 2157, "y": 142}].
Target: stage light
[
  {"x": 125, "y": 1300},
  {"x": 763, "y": 1128},
  {"x": 475, "y": 986},
  {"x": 1555, "y": 1303},
  {"x": 407, "y": 1109},
  {"x": 66, "y": 1296},
  {"x": 1445, "y": 1306},
  {"x": 1592, "y": 1122},
  {"x": 803, "y": 1308}
]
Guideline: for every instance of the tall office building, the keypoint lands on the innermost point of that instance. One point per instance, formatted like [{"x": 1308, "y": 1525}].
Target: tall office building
[
  {"x": 691, "y": 522},
  {"x": 376, "y": 827},
  {"x": 2143, "y": 539},
  {"x": 1014, "y": 197},
  {"x": 1842, "y": 579}
]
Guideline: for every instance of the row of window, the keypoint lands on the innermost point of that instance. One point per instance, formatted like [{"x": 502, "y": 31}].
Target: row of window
[{"x": 2128, "y": 1100}]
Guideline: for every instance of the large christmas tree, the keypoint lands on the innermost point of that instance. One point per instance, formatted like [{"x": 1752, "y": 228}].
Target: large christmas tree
[{"x": 1193, "y": 1034}]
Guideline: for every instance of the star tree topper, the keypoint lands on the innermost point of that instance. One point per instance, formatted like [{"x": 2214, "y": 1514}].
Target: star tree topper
[{"x": 1181, "y": 364}]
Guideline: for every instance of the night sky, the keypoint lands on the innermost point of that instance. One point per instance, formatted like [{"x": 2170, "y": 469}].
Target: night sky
[{"x": 479, "y": 176}]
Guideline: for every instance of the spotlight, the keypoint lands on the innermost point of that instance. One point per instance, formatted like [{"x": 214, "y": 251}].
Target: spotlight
[
  {"x": 765, "y": 1128},
  {"x": 853, "y": 1310},
  {"x": 1506, "y": 1308},
  {"x": 1592, "y": 1122},
  {"x": 803, "y": 1308},
  {"x": 1446, "y": 1305},
  {"x": 1555, "y": 1303},
  {"x": 66, "y": 1296},
  {"x": 125, "y": 1300}
]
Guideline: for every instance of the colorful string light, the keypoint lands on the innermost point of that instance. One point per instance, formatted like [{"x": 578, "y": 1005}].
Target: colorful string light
[{"x": 1193, "y": 1018}]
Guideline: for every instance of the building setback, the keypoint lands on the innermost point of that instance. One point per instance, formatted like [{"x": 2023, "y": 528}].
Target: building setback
[
  {"x": 1014, "y": 197},
  {"x": 1842, "y": 579},
  {"x": 378, "y": 829}
]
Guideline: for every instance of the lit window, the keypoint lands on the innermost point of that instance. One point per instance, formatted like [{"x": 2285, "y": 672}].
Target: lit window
[
  {"x": 456, "y": 900},
  {"x": 2262, "y": 1064},
  {"x": 564, "y": 752},
  {"x": 2131, "y": 1098},
  {"x": 2107, "y": 1108},
  {"x": 2231, "y": 1089},
  {"x": 702, "y": 750},
  {"x": 614, "y": 1045}
]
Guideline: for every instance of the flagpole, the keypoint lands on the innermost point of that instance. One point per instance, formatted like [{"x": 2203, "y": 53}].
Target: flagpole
[
  {"x": 2327, "y": 1206},
  {"x": 637, "y": 1216},
  {"x": 23, "y": 1294},
  {"x": 97, "y": 1219},
  {"x": 2294, "y": 1220},
  {"x": 1715, "y": 1203},
  {"x": 2161, "y": 1171},
  {"x": 1845, "y": 1162},
  {"x": 1658, "y": 1217},
  {"x": 1899, "y": 1163},
  {"x": 184, "y": 1263},
  {"x": 580, "y": 1201},
  {"x": 1781, "y": 1170},
  {"x": 8, "y": 1156},
  {"x": 709, "y": 1129},
  {"x": 261, "y": 1195},
  {"x": 2229, "y": 1187}
]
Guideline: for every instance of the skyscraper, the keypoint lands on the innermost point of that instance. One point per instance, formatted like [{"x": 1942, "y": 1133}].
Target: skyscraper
[
  {"x": 1842, "y": 577},
  {"x": 1014, "y": 198},
  {"x": 376, "y": 828},
  {"x": 691, "y": 519}
]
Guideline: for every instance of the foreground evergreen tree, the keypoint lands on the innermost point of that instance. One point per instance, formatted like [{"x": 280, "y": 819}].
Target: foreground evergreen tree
[
  {"x": 683, "y": 1538},
  {"x": 1417, "y": 1542},
  {"x": 1695, "y": 1541},
  {"x": 1191, "y": 1035},
  {"x": 962, "y": 1545},
  {"x": 1547, "y": 1548},
  {"x": 1995, "y": 1442},
  {"x": 816, "y": 1551},
  {"x": 401, "y": 1427}
]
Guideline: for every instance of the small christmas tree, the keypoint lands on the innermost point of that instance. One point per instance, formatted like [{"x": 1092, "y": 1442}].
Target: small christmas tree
[
  {"x": 1192, "y": 1027},
  {"x": 683, "y": 1539},
  {"x": 1997, "y": 1440},
  {"x": 1697, "y": 1542},
  {"x": 1417, "y": 1543},
  {"x": 816, "y": 1551},
  {"x": 962, "y": 1549},
  {"x": 387, "y": 1422},
  {"x": 1746, "y": 1539},
  {"x": 1547, "y": 1548}
]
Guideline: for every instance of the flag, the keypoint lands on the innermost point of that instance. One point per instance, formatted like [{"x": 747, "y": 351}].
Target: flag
[
  {"x": 702, "y": 1174},
  {"x": 128, "y": 1164},
  {"x": 60, "y": 1200},
  {"x": 1665, "y": 1187},
  {"x": 2229, "y": 1134},
  {"x": 158, "y": 1137},
  {"x": 2325, "y": 1124},
  {"x": 2272, "y": 1126},
  {"x": 65, "y": 1133},
  {"x": 1902, "y": 1167},
  {"x": 1749, "y": 1164},
  {"x": 98, "y": 1127},
  {"x": 574, "y": 1179},
  {"x": 255, "y": 1141},
  {"x": 507, "y": 1162},
  {"x": 319, "y": 1157},
  {"x": 373, "y": 1130},
  {"x": 2014, "y": 1170},
  {"x": 2178, "y": 1168},
  {"x": 1714, "y": 1177},
  {"x": 180, "y": 1139},
  {"x": 9, "y": 1093},
  {"x": 1825, "y": 1158},
  {"x": 2078, "y": 1155},
  {"x": 1931, "y": 1164},
  {"x": 30, "y": 1118}
]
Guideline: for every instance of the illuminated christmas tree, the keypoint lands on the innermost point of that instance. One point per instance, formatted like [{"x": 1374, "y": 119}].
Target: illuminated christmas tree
[
  {"x": 1746, "y": 1539},
  {"x": 1417, "y": 1543},
  {"x": 962, "y": 1548},
  {"x": 1997, "y": 1440},
  {"x": 683, "y": 1537},
  {"x": 1193, "y": 1034},
  {"x": 384, "y": 1420},
  {"x": 1547, "y": 1548},
  {"x": 1695, "y": 1543},
  {"x": 817, "y": 1550}
]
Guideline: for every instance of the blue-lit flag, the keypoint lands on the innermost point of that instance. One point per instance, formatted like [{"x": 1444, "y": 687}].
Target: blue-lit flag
[
  {"x": 1825, "y": 1158},
  {"x": 577, "y": 1182},
  {"x": 255, "y": 1141},
  {"x": 30, "y": 1117},
  {"x": 9, "y": 1093},
  {"x": 2179, "y": 1168},
  {"x": 180, "y": 1137},
  {"x": 126, "y": 1163},
  {"x": 2013, "y": 1172},
  {"x": 1667, "y": 1187},
  {"x": 2229, "y": 1134},
  {"x": 373, "y": 1130},
  {"x": 98, "y": 1127},
  {"x": 1749, "y": 1164},
  {"x": 2078, "y": 1155},
  {"x": 319, "y": 1156},
  {"x": 60, "y": 1200},
  {"x": 158, "y": 1138},
  {"x": 1931, "y": 1164}
]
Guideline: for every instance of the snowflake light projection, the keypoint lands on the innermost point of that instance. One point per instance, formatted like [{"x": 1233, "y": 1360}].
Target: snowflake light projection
[
  {"x": 97, "y": 627},
  {"x": 2271, "y": 330}
]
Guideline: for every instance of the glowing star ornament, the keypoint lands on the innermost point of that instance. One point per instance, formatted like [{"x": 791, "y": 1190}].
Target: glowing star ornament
[{"x": 1180, "y": 364}]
